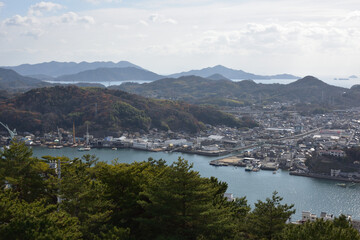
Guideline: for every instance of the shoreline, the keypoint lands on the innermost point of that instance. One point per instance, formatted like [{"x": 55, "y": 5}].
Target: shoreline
[
  {"x": 200, "y": 152},
  {"x": 327, "y": 177}
]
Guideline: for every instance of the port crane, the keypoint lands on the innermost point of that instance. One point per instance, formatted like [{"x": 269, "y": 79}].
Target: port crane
[{"x": 11, "y": 133}]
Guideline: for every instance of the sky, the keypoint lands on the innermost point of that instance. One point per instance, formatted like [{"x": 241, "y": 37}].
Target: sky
[{"x": 301, "y": 37}]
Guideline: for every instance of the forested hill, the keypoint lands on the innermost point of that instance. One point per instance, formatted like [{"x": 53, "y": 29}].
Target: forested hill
[
  {"x": 106, "y": 111},
  {"x": 201, "y": 90},
  {"x": 13, "y": 82}
]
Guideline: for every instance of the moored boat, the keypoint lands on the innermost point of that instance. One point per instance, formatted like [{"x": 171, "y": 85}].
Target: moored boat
[
  {"x": 84, "y": 149},
  {"x": 249, "y": 167}
]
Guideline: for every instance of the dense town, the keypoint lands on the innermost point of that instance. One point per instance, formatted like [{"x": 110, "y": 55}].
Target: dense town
[{"x": 285, "y": 139}]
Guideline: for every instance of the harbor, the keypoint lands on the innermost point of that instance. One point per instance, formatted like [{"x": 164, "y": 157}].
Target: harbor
[{"x": 251, "y": 164}]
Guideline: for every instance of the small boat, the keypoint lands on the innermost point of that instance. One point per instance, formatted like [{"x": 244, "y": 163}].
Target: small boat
[
  {"x": 255, "y": 169},
  {"x": 84, "y": 149},
  {"x": 274, "y": 172},
  {"x": 114, "y": 148},
  {"x": 249, "y": 167},
  {"x": 341, "y": 185},
  {"x": 55, "y": 146}
]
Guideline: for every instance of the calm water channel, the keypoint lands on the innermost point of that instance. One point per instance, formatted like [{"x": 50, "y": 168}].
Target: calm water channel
[{"x": 308, "y": 194}]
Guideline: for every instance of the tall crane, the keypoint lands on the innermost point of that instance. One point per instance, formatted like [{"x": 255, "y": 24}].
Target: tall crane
[{"x": 11, "y": 133}]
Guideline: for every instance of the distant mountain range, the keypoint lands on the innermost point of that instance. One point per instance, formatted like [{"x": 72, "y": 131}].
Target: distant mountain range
[
  {"x": 230, "y": 74},
  {"x": 217, "y": 76},
  {"x": 106, "y": 72},
  {"x": 206, "y": 86},
  {"x": 55, "y": 69},
  {"x": 110, "y": 75},
  {"x": 12, "y": 82}
]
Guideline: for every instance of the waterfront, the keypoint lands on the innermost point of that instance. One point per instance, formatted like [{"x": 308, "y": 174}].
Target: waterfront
[{"x": 308, "y": 194}]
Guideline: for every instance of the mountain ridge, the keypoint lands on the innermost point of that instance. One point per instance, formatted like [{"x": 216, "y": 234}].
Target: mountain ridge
[
  {"x": 110, "y": 74},
  {"x": 196, "y": 89},
  {"x": 56, "y": 69},
  {"x": 230, "y": 74},
  {"x": 13, "y": 82}
]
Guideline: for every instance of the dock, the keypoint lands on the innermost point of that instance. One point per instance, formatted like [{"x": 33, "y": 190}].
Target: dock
[{"x": 229, "y": 161}]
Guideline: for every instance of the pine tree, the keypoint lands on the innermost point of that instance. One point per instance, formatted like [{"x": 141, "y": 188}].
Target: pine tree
[
  {"x": 340, "y": 228},
  {"x": 23, "y": 173},
  {"x": 269, "y": 218},
  {"x": 36, "y": 220},
  {"x": 83, "y": 196},
  {"x": 179, "y": 204}
]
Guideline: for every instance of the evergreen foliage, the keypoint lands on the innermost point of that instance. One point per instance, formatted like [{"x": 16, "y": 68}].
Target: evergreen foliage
[
  {"x": 142, "y": 200},
  {"x": 340, "y": 228},
  {"x": 268, "y": 218}
]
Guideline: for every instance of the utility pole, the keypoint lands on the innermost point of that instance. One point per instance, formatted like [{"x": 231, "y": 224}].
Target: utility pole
[
  {"x": 74, "y": 140},
  {"x": 58, "y": 171}
]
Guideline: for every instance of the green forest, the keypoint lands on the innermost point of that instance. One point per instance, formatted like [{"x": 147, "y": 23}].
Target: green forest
[{"x": 143, "y": 200}]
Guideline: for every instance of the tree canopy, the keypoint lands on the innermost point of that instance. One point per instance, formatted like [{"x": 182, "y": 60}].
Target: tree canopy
[{"x": 141, "y": 200}]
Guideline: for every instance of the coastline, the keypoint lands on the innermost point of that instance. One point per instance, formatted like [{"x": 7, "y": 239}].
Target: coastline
[{"x": 321, "y": 176}]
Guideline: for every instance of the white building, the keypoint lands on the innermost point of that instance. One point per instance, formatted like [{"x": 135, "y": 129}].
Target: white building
[
  {"x": 308, "y": 216},
  {"x": 335, "y": 172},
  {"x": 229, "y": 197}
]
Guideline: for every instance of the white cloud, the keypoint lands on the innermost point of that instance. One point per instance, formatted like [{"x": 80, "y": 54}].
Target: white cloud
[
  {"x": 72, "y": 17},
  {"x": 103, "y": 1},
  {"x": 155, "y": 17},
  {"x": 18, "y": 20},
  {"x": 41, "y": 7},
  {"x": 1, "y": 4},
  {"x": 171, "y": 21},
  {"x": 35, "y": 33},
  {"x": 143, "y": 23}
]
